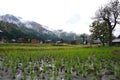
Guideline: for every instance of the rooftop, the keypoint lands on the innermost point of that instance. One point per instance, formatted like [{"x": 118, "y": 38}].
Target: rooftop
[
  {"x": 116, "y": 40},
  {"x": 1, "y": 31}
]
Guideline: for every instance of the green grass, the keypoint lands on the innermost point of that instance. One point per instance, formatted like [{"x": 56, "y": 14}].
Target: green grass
[
  {"x": 70, "y": 55},
  {"x": 71, "y": 52}
]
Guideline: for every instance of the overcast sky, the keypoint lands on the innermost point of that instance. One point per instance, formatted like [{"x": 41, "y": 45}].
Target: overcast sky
[{"x": 69, "y": 15}]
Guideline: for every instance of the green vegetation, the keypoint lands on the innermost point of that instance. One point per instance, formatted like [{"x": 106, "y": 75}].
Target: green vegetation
[
  {"x": 47, "y": 62},
  {"x": 13, "y": 31},
  {"x": 99, "y": 31},
  {"x": 110, "y": 13}
]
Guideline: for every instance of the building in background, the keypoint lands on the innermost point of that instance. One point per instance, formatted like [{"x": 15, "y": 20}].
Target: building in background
[
  {"x": 35, "y": 41},
  {"x": 116, "y": 41}
]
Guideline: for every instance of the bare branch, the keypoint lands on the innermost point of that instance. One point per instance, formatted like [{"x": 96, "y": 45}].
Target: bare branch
[{"x": 110, "y": 13}]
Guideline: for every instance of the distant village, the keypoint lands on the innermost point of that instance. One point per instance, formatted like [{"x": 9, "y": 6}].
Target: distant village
[{"x": 115, "y": 41}]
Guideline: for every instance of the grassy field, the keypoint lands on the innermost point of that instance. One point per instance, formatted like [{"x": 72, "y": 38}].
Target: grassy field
[{"x": 48, "y": 62}]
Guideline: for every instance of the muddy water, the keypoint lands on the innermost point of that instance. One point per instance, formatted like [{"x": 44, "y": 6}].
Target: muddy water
[{"x": 44, "y": 69}]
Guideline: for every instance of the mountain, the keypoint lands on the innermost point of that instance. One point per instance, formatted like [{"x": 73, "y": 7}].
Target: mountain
[
  {"x": 30, "y": 29},
  {"x": 9, "y": 18},
  {"x": 67, "y": 37},
  {"x": 37, "y": 27},
  {"x": 11, "y": 31},
  {"x": 21, "y": 23}
]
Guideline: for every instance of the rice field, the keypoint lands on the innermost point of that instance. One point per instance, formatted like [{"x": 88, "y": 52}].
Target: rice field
[{"x": 47, "y": 62}]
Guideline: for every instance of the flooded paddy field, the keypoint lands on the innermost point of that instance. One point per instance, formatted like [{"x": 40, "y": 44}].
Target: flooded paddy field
[{"x": 46, "y": 62}]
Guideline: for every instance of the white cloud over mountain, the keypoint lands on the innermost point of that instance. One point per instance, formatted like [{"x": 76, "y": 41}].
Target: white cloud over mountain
[{"x": 69, "y": 15}]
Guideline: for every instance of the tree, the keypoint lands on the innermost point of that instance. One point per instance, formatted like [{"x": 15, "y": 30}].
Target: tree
[
  {"x": 99, "y": 31},
  {"x": 110, "y": 13},
  {"x": 119, "y": 36},
  {"x": 84, "y": 37}
]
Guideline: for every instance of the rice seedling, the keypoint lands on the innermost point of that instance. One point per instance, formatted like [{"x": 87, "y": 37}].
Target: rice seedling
[{"x": 42, "y": 62}]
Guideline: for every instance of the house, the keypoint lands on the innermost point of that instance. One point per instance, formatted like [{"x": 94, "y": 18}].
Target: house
[
  {"x": 35, "y": 40},
  {"x": 1, "y": 31},
  {"x": 116, "y": 41},
  {"x": 13, "y": 40},
  {"x": 58, "y": 42},
  {"x": 48, "y": 41},
  {"x": 96, "y": 41},
  {"x": 20, "y": 40}
]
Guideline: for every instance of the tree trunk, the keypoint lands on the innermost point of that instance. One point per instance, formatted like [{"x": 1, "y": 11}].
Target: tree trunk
[
  {"x": 110, "y": 37},
  {"x": 102, "y": 41},
  {"x": 103, "y": 44},
  {"x": 83, "y": 40}
]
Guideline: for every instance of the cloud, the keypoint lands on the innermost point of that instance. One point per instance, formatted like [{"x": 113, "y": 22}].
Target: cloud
[
  {"x": 74, "y": 19},
  {"x": 69, "y": 15},
  {"x": 1, "y": 12},
  {"x": 117, "y": 30}
]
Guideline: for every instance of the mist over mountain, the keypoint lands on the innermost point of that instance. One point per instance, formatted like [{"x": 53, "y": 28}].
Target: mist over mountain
[{"x": 30, "y": 29}]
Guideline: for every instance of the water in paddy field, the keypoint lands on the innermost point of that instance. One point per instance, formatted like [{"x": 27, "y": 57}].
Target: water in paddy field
[{"x": 50, "y": 69}]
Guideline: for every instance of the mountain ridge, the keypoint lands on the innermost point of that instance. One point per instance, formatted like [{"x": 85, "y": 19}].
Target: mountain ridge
[{"x": 37, "y": 30}]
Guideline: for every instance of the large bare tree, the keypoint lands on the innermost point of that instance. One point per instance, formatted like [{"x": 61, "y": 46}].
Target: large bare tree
[{"x": 110, "y": 13}]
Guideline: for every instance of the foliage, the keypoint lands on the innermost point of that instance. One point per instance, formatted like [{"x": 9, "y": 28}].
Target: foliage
[
  {"x": 84, "y": 37},
  {"x": 99, "y": 31},
  {"x": 110, "y": 13},
  {"x": 119, "y": 36},
  {"x": 59, "y": 62},
  {"x": 12, "y": 31}
]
